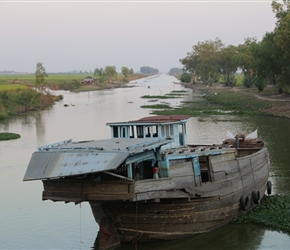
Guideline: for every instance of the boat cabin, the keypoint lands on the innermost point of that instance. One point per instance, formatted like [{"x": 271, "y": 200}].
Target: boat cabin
[
  {"x": 147, "y": 157},
  {"x": 173, "y": 127}
]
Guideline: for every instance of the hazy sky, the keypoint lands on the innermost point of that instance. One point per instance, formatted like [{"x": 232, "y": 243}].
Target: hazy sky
[{"x": 84, "y": 35}]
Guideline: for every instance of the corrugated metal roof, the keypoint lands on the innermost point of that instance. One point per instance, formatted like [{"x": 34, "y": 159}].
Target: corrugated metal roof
[
  {"x": 76, "y": 158},
  {"x": 157, "y": 119}
]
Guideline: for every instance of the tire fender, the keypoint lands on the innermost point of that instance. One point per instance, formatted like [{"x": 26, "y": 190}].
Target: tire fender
[
  {"x": 269, "y": 187},
  {"x": 244, "y": 201},
  {"x": 256, "y": 197}
]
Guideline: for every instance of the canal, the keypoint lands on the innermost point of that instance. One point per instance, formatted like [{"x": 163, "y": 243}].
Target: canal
[{"x": 27, "y": 222}]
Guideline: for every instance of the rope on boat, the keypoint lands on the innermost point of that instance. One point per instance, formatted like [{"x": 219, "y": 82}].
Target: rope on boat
[{"x": 136, "y": 221}]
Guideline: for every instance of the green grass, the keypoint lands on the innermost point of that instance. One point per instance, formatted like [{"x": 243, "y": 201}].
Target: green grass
[
  {"x": 65, "y": 81},
  {"x": 238, "y": 102},
  {"x": 221, "y": 101},
  {"x": 11, "y": 87},
  {"x": 31, "y": 77}
]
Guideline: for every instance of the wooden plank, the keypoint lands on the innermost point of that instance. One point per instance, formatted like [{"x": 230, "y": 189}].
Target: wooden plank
[
  {"x": 82, "y": 190},
  {"x": 154, "y": 184}
]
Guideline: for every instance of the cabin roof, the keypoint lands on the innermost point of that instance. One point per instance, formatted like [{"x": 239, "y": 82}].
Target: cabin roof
[
  {"x": 78, "y": 158},
  {"x": 158, "y": 119},
  {"x": 89, "y": 78}
]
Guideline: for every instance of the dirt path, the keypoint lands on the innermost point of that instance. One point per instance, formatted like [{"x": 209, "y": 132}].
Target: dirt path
[{"x": 273, "y": 98}]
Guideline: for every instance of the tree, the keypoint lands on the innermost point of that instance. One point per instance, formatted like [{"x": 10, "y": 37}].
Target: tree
[
  {"x": 125, "y": 72},
  {"x": 131, "y": 72},
  {"x": 246, "y": 60},
  {"x": 110, "y": 73},
  {"x": 99, "y": 75},
  {"x": 175, "y": 72},
  {"x": 40, "y": 75},
  {"x": 282, "y": 41},
  {"x": 227, "y": 62},
  {"x": 203, "y": 60},
  {"x": 148, "y": 70}
]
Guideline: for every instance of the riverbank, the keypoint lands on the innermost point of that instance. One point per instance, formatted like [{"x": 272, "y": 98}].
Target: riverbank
[
  {"x": 110, "y": 85},
  {"x": 18, "y": 96},
  {"x": 218, "y": 99}
]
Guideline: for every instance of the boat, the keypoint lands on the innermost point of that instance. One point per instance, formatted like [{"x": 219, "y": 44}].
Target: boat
[{"x": 147, "y": 183}]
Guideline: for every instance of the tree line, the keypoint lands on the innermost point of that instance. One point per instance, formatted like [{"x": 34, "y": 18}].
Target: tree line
[
  {"x": 109, "y": 74},
  {"x": 262, "y": 63}
]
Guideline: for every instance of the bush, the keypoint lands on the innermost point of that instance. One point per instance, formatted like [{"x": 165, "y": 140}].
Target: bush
[
  {"x": 260, "y": 83},
  {"x": 185, "y": 77},
  {"x": 248, "y": 81},
  {"x": 22, "y": 101}
]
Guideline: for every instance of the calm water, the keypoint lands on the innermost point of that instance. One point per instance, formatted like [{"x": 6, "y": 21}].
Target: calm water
[{"x": 27, "y": 222}]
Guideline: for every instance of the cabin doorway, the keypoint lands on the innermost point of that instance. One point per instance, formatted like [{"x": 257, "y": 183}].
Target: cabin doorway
[
  {"x": 205, "y": 172},
  {"x": 143, "y": 170}
]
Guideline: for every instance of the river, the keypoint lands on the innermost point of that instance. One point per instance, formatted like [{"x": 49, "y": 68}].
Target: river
[{"x": 27, "y": 222}]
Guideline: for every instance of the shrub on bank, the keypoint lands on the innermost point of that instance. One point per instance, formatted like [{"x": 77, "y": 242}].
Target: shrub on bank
[{"x": 20, "y": 101}]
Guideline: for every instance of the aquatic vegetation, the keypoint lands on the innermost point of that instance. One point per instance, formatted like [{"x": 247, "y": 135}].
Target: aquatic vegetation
[
  {"x": 158, "y": 96},
  {"x": 172, "y": 94},
  {"x": 273, "y": 213},
  {"x": 221, "y": 102},
  {"x": 238, "y": 101},
  {"x": 8, "y": 136},
  {"x": 179, "y": 91},
  {"x": 157, "y": 106}
]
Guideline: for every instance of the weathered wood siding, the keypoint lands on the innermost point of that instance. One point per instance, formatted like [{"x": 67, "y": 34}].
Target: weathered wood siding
[
  {"x": 80, "y": 190},
  {"x": 166, "y": 220},
  {"x": 181, "y": 172}
]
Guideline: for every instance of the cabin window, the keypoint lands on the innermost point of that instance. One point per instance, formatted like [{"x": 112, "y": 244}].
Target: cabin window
[
  {"x": 123, "y": 132},
  {"x": 155, "y": 131},
  {"x": 133, "y": 132},
  {"x": 115, "y": 132},
  {"x": 162, "y": 131},
  {"x": 169, "y": 130},
  {"x": 140, "y": 131},
  {"x": 148, "y": 132}
]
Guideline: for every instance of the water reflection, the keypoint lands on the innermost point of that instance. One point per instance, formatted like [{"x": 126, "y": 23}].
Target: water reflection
[
  {"x": 233, "y": 237},
  {"x": 29, "y": 223}
]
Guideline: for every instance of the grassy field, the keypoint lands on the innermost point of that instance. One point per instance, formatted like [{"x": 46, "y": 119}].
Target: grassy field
[
  {"x": 11, "y": 87},
  {"x": 66, "y": 81},
  {"x": 29, "y": 79}
]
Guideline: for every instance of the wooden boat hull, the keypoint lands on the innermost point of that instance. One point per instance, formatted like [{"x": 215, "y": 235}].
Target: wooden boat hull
[
  {"x": 146, "y": 183},
  {"x": 171, "y": 219},
  {"x": 213, "y": 205}
]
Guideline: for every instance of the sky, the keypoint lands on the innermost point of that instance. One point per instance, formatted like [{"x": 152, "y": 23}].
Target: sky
[{"x": 84, "y": 35}]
